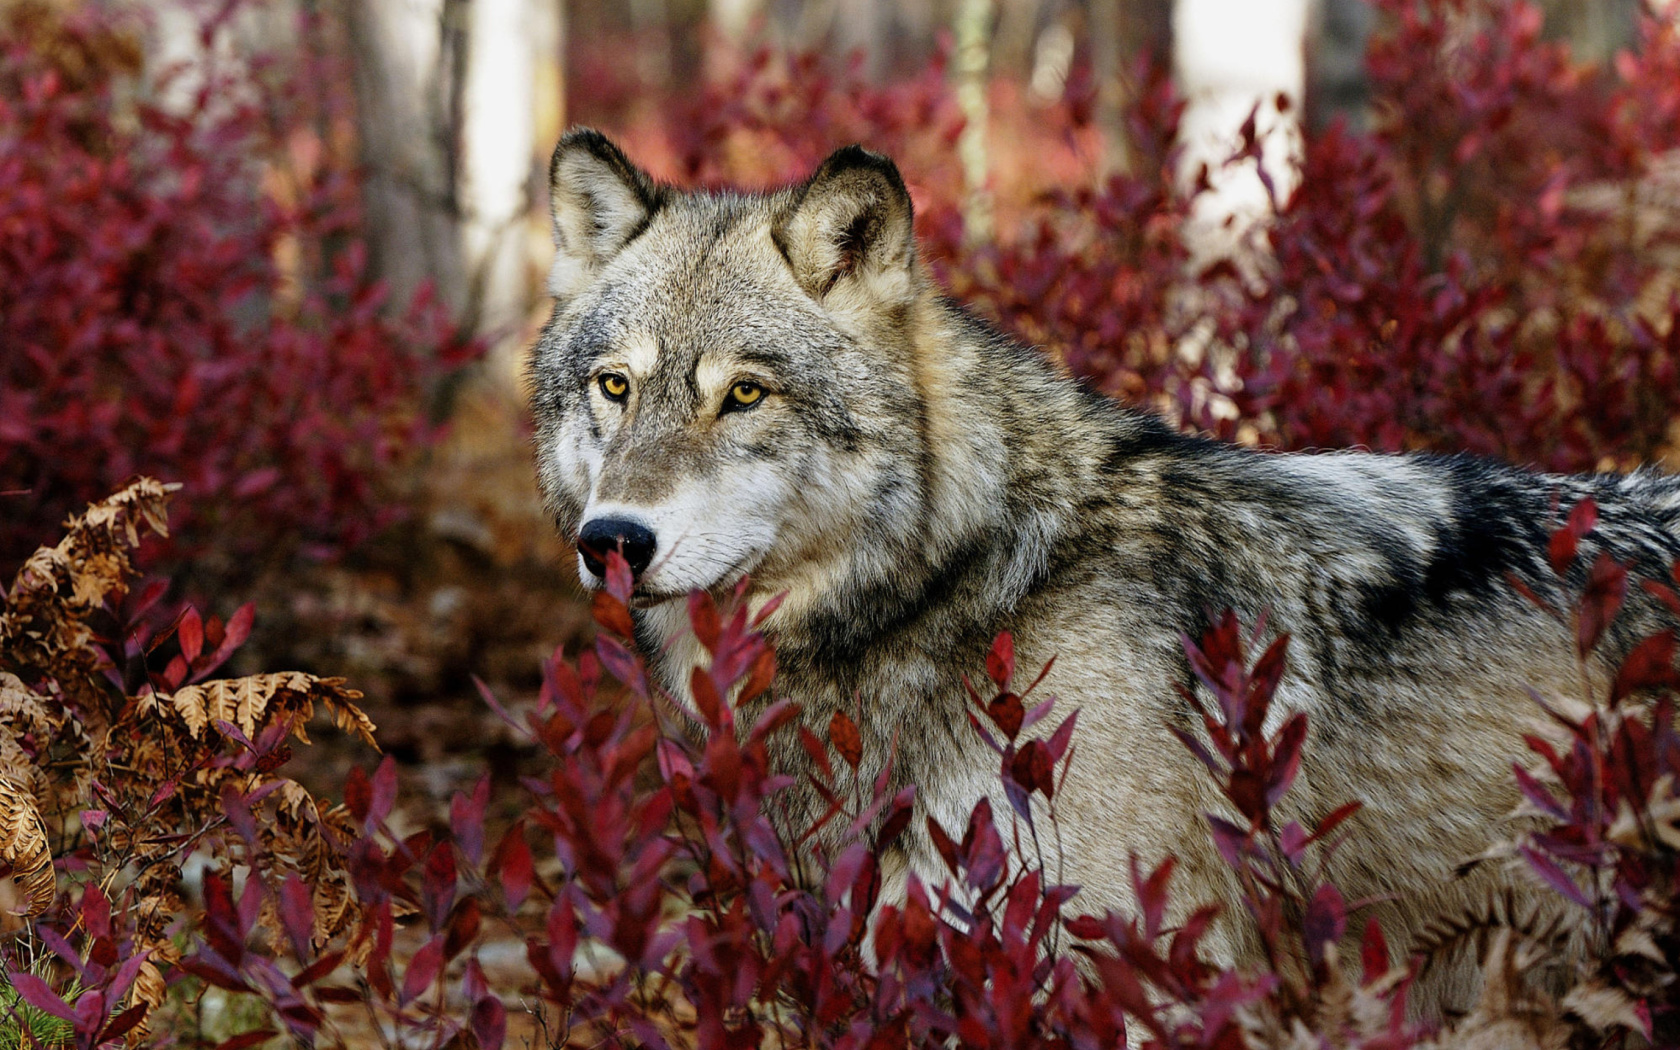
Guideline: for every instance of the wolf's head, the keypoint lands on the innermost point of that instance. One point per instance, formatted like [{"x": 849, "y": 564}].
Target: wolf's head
[{"x": 727, "y": 384}]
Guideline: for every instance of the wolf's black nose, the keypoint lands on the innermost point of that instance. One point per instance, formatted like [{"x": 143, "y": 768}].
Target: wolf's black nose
[{"x": 633, "y": 540}]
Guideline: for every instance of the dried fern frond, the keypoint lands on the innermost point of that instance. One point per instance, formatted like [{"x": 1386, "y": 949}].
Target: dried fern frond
[
  {"x": 24, "y": 714},
  {"x": 23, "y": 846},
  {"x": 249, "y": 704},
  {"x": 1508, "y": 1016},
  {"x": 22, "y": 709},
  {"x": 1498, "y": 913},
  {"x": 43, "y": 627}
]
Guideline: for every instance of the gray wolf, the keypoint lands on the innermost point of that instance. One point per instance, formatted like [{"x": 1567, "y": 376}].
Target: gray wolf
[{"x": 769, "y": 385}]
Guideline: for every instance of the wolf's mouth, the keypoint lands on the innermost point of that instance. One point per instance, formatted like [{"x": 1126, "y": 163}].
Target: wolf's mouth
[{"x": 642, "y": 599}]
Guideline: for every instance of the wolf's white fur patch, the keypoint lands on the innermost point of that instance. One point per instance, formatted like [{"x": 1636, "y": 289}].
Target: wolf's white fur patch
[{"x": 709, "y": 532}]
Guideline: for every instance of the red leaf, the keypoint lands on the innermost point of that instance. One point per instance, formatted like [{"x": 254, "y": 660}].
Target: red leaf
[
  {"x": 96, "y": 912},
  {"x": 1152, "y": 893},
  {"x": 815, "y": 749},
  {"x": 1334, "y": 820},
  {"x": 703, "y": 618},
  {"x": 513, "y": 862},
  {"x": 983, "y": 848},
  {"x": 233, "y": 635},
  {"x": 1006, "y": 713},
  {"x": 903, "y": 804},
  {"x": 463, "y": 927},
  {"x": 120, "y": 1024},
  {"x": 1248, "y": 793},
  {"x": 621, "y": 663},
  {"x": 1528, "y": 592},
  {"x": 358, "y": 794},
  {"x": 1086, "y": 928},
  {"x": 1606, "y": 586},
  {"x": 1230, "y": 840},
  {"x": 1058, "y": 743},
  {"x": 1649, "y": 666},
  {"x": 1373, "y": 952},
  {"x": 1583, "y": 518},
  {"x": 769, "y": 609},
  {"x": 246, "y": 1040},
  {"x": 1560, "y": 550},
  {"x": 437, "y": 885},
  {"x": 495, "y": 705},
  {"x": 1000, "y": 661},
  {"x": 190, "y": 633},
  {"x": 297, "y": 914},
  {"x": 613, "y": 615},
  {"x": 422, "y": 971},
  {"x": 318, "y": 969},
  {"x": 1324, "y": 922},
  {"x": 384, "y": 794},
  {"x": 1555, "y": 877},
  {"x": 943, "y": 843},
  {"x": 489, "y": 1022},
  {"x": 238, "y": 627},
  {"x": 1536, "y": 793},
  {"x": 1030, "y": 768},
  {"x": 214, "y": 974},
  {"x": 706, "y": 699},
  {"x": 1202, "y": 754},
  {"x": 1664, "y": 593},
  {"x": 466, "y": 819},
  {"x": 1268, "y": 671},
  {"x": 1286, "y": 759},
  {"x": 759, "y": 679},
  {"x": 843, "y": 734},
  {"x": 620, "y": 580},
  {"x": 37, "y": 993}
]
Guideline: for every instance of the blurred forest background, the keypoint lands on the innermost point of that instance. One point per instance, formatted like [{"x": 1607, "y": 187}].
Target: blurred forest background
[{"x": 290, "y": 253}]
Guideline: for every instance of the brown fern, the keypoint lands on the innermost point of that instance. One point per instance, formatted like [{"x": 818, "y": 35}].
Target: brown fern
[{"x": 136, "y": 783}]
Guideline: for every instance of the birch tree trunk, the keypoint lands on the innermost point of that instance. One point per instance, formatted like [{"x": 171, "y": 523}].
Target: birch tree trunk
[
  {"x": 1122, "y": 31},
  {"x": 447, "y": 107},
  {"x": 1235, "y": 58},
  {"x": 498, "y": 145},
  {"x": 974, "y": 41},
  {"x": 406, "y": 65}
]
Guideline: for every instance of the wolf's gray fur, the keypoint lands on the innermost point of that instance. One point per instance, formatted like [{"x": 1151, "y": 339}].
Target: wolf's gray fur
[{"x": 916, "y": 483}]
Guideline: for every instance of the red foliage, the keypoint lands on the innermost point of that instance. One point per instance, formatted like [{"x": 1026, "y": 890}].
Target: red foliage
[
  {"x": 184, "y": 296},
  {"x": 1486, "y": 271},
  {"x": 1606, "y": 784},
  {"x": 1469, "y": 277},
  {"x": 665, "y": 900},
  {"x": 685, "y": 912}
]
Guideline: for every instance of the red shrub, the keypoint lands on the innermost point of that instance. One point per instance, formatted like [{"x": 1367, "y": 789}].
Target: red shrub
[
  {"x": 183, "y": 295},
  {"x": 1468, "y": 278},
  {"x": 1488, "y": 270}
]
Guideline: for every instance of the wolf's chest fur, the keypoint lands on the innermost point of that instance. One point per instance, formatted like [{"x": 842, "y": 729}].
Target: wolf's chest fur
[{"x": 768, "y": 386}]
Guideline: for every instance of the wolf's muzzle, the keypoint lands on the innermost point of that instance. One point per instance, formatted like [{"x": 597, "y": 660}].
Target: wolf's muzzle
[{"x": 632, "y": 539}]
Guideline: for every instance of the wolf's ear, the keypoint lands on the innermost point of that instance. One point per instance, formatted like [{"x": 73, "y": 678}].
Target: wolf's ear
[
  {"x": 599, "y": 202},
  {"x": 850, "y": 229}
]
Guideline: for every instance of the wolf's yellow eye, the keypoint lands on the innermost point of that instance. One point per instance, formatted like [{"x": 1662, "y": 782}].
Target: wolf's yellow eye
[
  {"x": 614, "y": 386},
  {"x": 744, "y": 394}
]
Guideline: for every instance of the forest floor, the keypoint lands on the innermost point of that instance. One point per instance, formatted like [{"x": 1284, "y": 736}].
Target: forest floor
[{"x": 475, "y": 584}]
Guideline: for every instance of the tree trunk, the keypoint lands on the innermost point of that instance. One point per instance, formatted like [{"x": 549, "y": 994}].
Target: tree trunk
[
  {"x": 1235, "y": 58},
  {"x": 498, "y": 145},
  {"x": 406, "y": 63},
  {"x": 974, "y": 41},
  {"x": 1121, "y": 32}
]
